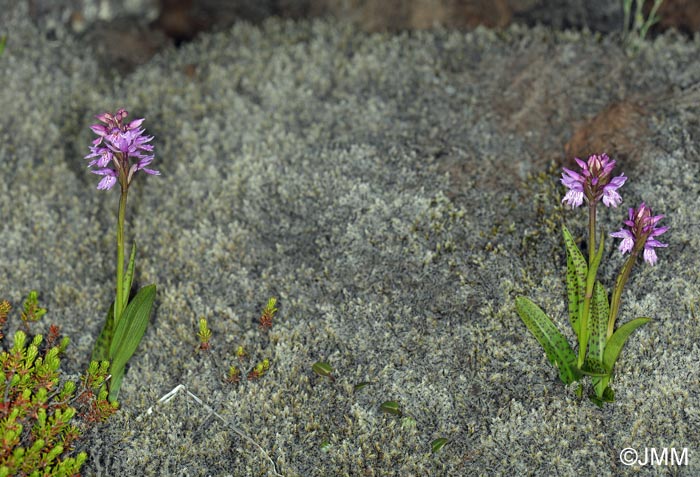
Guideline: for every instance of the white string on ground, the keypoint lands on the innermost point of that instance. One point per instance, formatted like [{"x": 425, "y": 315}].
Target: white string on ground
[{"x": 167, "y": 397}]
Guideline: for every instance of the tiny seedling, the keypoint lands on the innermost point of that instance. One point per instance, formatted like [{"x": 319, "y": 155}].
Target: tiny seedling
[
  {"x": 241, "y": 353},
  {"x": 268, "y": 313},
  {"x": 204, "y": 335},
  {"x": 259, "y": 370},
  {"x": 32, "y": 311},
  {"x": 323, "y": 369},
  {"x": 234, "y": 374},
  {"x": 326, "y": 446},
  {"x": 262, "y": 367}
]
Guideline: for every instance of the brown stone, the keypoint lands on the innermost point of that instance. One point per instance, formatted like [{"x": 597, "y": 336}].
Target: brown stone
[
  {"x": 395, "y": 15},
  {"x": 460, "y": 13},
  {"x": 176, "y": 20},
  {"x": 619, "y": 130},
  {"x": 137, "y": 45},
  {"x": 683, "y": 15}
]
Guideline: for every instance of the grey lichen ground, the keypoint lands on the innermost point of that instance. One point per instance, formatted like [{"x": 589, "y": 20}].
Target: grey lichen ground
[{"x": 308, "y": 162}]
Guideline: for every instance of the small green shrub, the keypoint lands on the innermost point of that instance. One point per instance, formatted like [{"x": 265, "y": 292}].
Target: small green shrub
[{"x": 40, "y": 417}]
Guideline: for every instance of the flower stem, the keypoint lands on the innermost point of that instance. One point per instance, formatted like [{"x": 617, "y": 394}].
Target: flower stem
[
  {"x": 617, "y": 291},
  {"x": 590, "y": 283},
  {"x": 119, "y": 302},
  {"x": 591, "y": 231}
]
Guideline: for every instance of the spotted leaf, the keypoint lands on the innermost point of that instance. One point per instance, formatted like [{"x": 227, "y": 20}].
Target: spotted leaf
[{"x": 556, "y": 347}]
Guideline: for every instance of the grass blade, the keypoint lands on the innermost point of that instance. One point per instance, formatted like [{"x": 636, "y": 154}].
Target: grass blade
[{"x": 100, "y": 351}]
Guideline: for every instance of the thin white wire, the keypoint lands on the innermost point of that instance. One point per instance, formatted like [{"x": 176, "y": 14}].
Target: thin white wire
[{"x": 167, "y": 397}]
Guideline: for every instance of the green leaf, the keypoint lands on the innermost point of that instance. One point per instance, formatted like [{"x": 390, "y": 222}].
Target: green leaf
[
  {"x": 129, "y": 331},
  {"x": 608, "y": 395},
  {"x": 100, "y": 351},
  {"x": 323, "y": 369},
  {"x": 128, "y": 277},
  {"x": 115, "y": 383},
  {"x": 596, "y": 400},
  {"x": 132, "y": 325},
  {"x": 591, "y": 368},
  {"x": 598, "y": 326},
  {"x": 598, "y": 329},
  {"x": 556, "y": 347},
  {"x": 391, "y": 407},
  {"x": 617, "y": 341},
  {"x": 359, "y": 386},
  {"x": 576, "y": 272},
  {"x": 438, "y": 444},
  {"x": 600, "y": 310}
]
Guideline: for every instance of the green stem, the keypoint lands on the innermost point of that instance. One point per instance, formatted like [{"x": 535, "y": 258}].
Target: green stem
[
  {"x": 591, "y": 232},
  {"x": 119, "y": 302},
  {"x": 626, "y": 8},
  {"x": 590, "y": 282},
  {"x": 638, "y": 15},
  {"x": 650, "y": 20},
  {"x": 617, "y": 291}
]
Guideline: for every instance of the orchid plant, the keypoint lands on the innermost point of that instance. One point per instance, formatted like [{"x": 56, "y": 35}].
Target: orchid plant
[
  {"x": 120, "y": 150},
  {"x": 591, "y": 315}
]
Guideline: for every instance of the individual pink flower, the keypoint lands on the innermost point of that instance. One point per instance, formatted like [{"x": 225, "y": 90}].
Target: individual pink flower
[
  {"x": 641, "y": 232},
  {"x": 593, "y": 183},
  {"x": 109, "y": 177},
  {"x": 122, "y": 145}
]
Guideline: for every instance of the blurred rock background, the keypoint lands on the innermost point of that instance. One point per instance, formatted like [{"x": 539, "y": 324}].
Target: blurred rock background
[{"x": 143, "y": 27}]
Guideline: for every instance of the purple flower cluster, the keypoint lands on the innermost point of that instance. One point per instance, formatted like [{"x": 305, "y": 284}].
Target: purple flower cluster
[
  {"x": 641, "y": 232},
  {"x": 118, "y": 143},
  {"x": 593, "y": 183}
]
